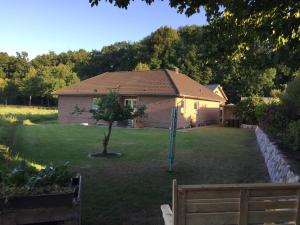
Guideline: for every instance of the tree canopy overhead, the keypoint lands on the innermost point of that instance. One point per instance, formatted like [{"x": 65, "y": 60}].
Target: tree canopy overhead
[{"x": 276, "y": 22}]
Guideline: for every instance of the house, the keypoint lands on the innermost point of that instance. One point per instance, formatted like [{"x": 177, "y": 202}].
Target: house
[
  {"x": 217, "y": 89},
  {"x": 158, "y": 90}
]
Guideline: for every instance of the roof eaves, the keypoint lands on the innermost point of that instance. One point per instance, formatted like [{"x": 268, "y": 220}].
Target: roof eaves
[
  {"x": 122, "y": 94},
  {"x": 223, "y": 92},
  {"x": 203, "y": 98}
]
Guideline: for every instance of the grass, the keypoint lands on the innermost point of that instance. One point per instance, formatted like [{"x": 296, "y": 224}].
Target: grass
[
  {"x": 20, "y": 113},
  {"x": 10, "y": 118},
  {"x": 130, "y": 189}
]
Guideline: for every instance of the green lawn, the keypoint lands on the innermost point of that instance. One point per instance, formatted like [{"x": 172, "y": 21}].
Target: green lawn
[
  {"x": 129, "y": 190},
  {"x": 10, "y": 118}
]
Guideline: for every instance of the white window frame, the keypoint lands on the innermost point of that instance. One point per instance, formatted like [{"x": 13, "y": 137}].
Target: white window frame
[
  {"x": 182, "y": 106},
  {"x": 197, "y": 104},
  {"x": 132, "y": 105},
  {"x": 94, "y": 105}
]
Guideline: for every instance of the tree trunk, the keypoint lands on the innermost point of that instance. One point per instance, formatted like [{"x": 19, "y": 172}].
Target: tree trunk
[
  {"x": 5, "y": 101},
  {"x": 29, "y": 102},
  {"x": 106, "y": 138}
]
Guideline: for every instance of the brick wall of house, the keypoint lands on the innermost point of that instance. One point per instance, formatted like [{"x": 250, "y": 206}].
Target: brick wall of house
[
  {"x": 158, "y": 112},
  {"x": 204, "y": 113},
  {"x": 66, "y": 106}
]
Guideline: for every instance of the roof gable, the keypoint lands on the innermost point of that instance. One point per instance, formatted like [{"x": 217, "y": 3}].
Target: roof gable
[
  {"x": 188, "y": 87},
  {"x": 217, "y": 88}
]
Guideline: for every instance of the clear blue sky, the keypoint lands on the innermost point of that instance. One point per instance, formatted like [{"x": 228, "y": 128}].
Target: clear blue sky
[{"x": 37, "y": 26}]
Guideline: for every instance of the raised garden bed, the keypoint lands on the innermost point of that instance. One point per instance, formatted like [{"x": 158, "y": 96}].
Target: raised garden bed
[{"x": 54, "y": 208}]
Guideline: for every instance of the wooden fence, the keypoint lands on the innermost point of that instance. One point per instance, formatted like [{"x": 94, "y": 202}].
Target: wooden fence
[{"x": 239, "y": 204}]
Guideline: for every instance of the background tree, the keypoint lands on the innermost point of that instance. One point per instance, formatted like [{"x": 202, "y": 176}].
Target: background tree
[
  {"x": 56, "y": 77},
  {"x": 192, "y": 53},
  {"x": 111, "y": 109},
  {"x": 31, "y": 84},
  {"x": 3, "y": 85},
  {"x": 141, "y": 67},
  {"x": 160, "y": 47}
]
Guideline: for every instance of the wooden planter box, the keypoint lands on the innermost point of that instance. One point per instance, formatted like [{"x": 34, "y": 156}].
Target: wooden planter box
[{"x": 62, "y": 208}]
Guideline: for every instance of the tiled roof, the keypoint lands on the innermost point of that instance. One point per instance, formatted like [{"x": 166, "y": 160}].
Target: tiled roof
[
  {"x": 212, "y": 87},
  {"x": 152, "y": 82}
]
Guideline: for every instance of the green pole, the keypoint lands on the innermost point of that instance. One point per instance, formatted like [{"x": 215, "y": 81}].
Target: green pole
[{"x": 173, "y": 127}]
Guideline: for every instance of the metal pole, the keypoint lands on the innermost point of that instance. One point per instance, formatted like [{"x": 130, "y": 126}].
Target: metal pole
[{"x": 171, "y": 152}]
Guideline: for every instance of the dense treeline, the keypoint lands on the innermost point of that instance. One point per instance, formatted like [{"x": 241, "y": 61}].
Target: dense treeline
[{"x": 207, "y": 54}]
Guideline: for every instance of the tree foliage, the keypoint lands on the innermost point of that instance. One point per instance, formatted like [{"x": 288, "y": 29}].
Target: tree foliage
[
  {"x": 276, "y": 22},
  {"x": 142, "y": 67}
]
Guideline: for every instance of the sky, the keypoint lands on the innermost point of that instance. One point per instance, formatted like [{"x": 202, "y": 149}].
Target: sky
[{"x": 39, "y": 26}]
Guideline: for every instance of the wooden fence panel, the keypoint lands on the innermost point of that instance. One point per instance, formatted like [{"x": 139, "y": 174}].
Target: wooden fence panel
[{"x": 236, "y": 204}]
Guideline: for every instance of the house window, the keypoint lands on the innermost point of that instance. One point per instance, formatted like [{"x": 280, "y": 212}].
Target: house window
[
  {"x": 196, "y": 107},
  {"x": 182, "y": 106},
  {"x": 95, "y": 103},
  {"x": 132, "y": 102},
  {"x": 182, "y": 103}
]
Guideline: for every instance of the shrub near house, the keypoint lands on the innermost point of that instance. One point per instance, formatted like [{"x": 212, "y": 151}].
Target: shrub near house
[
  {"x": 280, "y": 119},
  {"x": 283, "y": 120},
  {"x": 250, "y": 109}
]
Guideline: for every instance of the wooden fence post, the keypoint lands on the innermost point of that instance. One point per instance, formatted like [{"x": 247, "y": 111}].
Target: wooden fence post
[
  {"x": 243, "y": 220},
  {"x": 297, "y": 221},
  {"x": 174, "y": 201}
]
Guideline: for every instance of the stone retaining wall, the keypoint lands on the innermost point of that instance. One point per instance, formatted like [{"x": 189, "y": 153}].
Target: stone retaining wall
[
  {"x": 278, "y": 167},
  {"x": 247, "y": 126}
]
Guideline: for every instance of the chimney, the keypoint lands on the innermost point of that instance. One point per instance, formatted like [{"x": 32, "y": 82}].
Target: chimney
[{"x": 175, "y": 69}]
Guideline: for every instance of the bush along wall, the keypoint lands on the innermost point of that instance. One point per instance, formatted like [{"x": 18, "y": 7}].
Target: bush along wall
[{"x": 278, "y": 167}]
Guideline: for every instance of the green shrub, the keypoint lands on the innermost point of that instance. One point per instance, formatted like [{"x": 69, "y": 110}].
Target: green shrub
[
  {"x": 282, "y": 120},
  {"x": 250, "y": 109},
  {"x": 293, "y": 134},
  {"x": 291, "y": 99},
  {"x": 273, "y": 120}
]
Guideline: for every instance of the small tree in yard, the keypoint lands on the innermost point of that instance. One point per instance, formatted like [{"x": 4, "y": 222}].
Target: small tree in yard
[{"x": 110, "y": 109}]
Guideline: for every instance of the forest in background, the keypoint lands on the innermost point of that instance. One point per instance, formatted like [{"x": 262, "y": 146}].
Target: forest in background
[{"x": 208, "y": 54}]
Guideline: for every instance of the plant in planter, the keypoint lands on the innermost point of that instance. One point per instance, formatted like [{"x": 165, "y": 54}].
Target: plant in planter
[
  {"x": 110, "y": 109},
  {"x": 51, "y": 194},
  {"x": 24, "y": 179}
]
